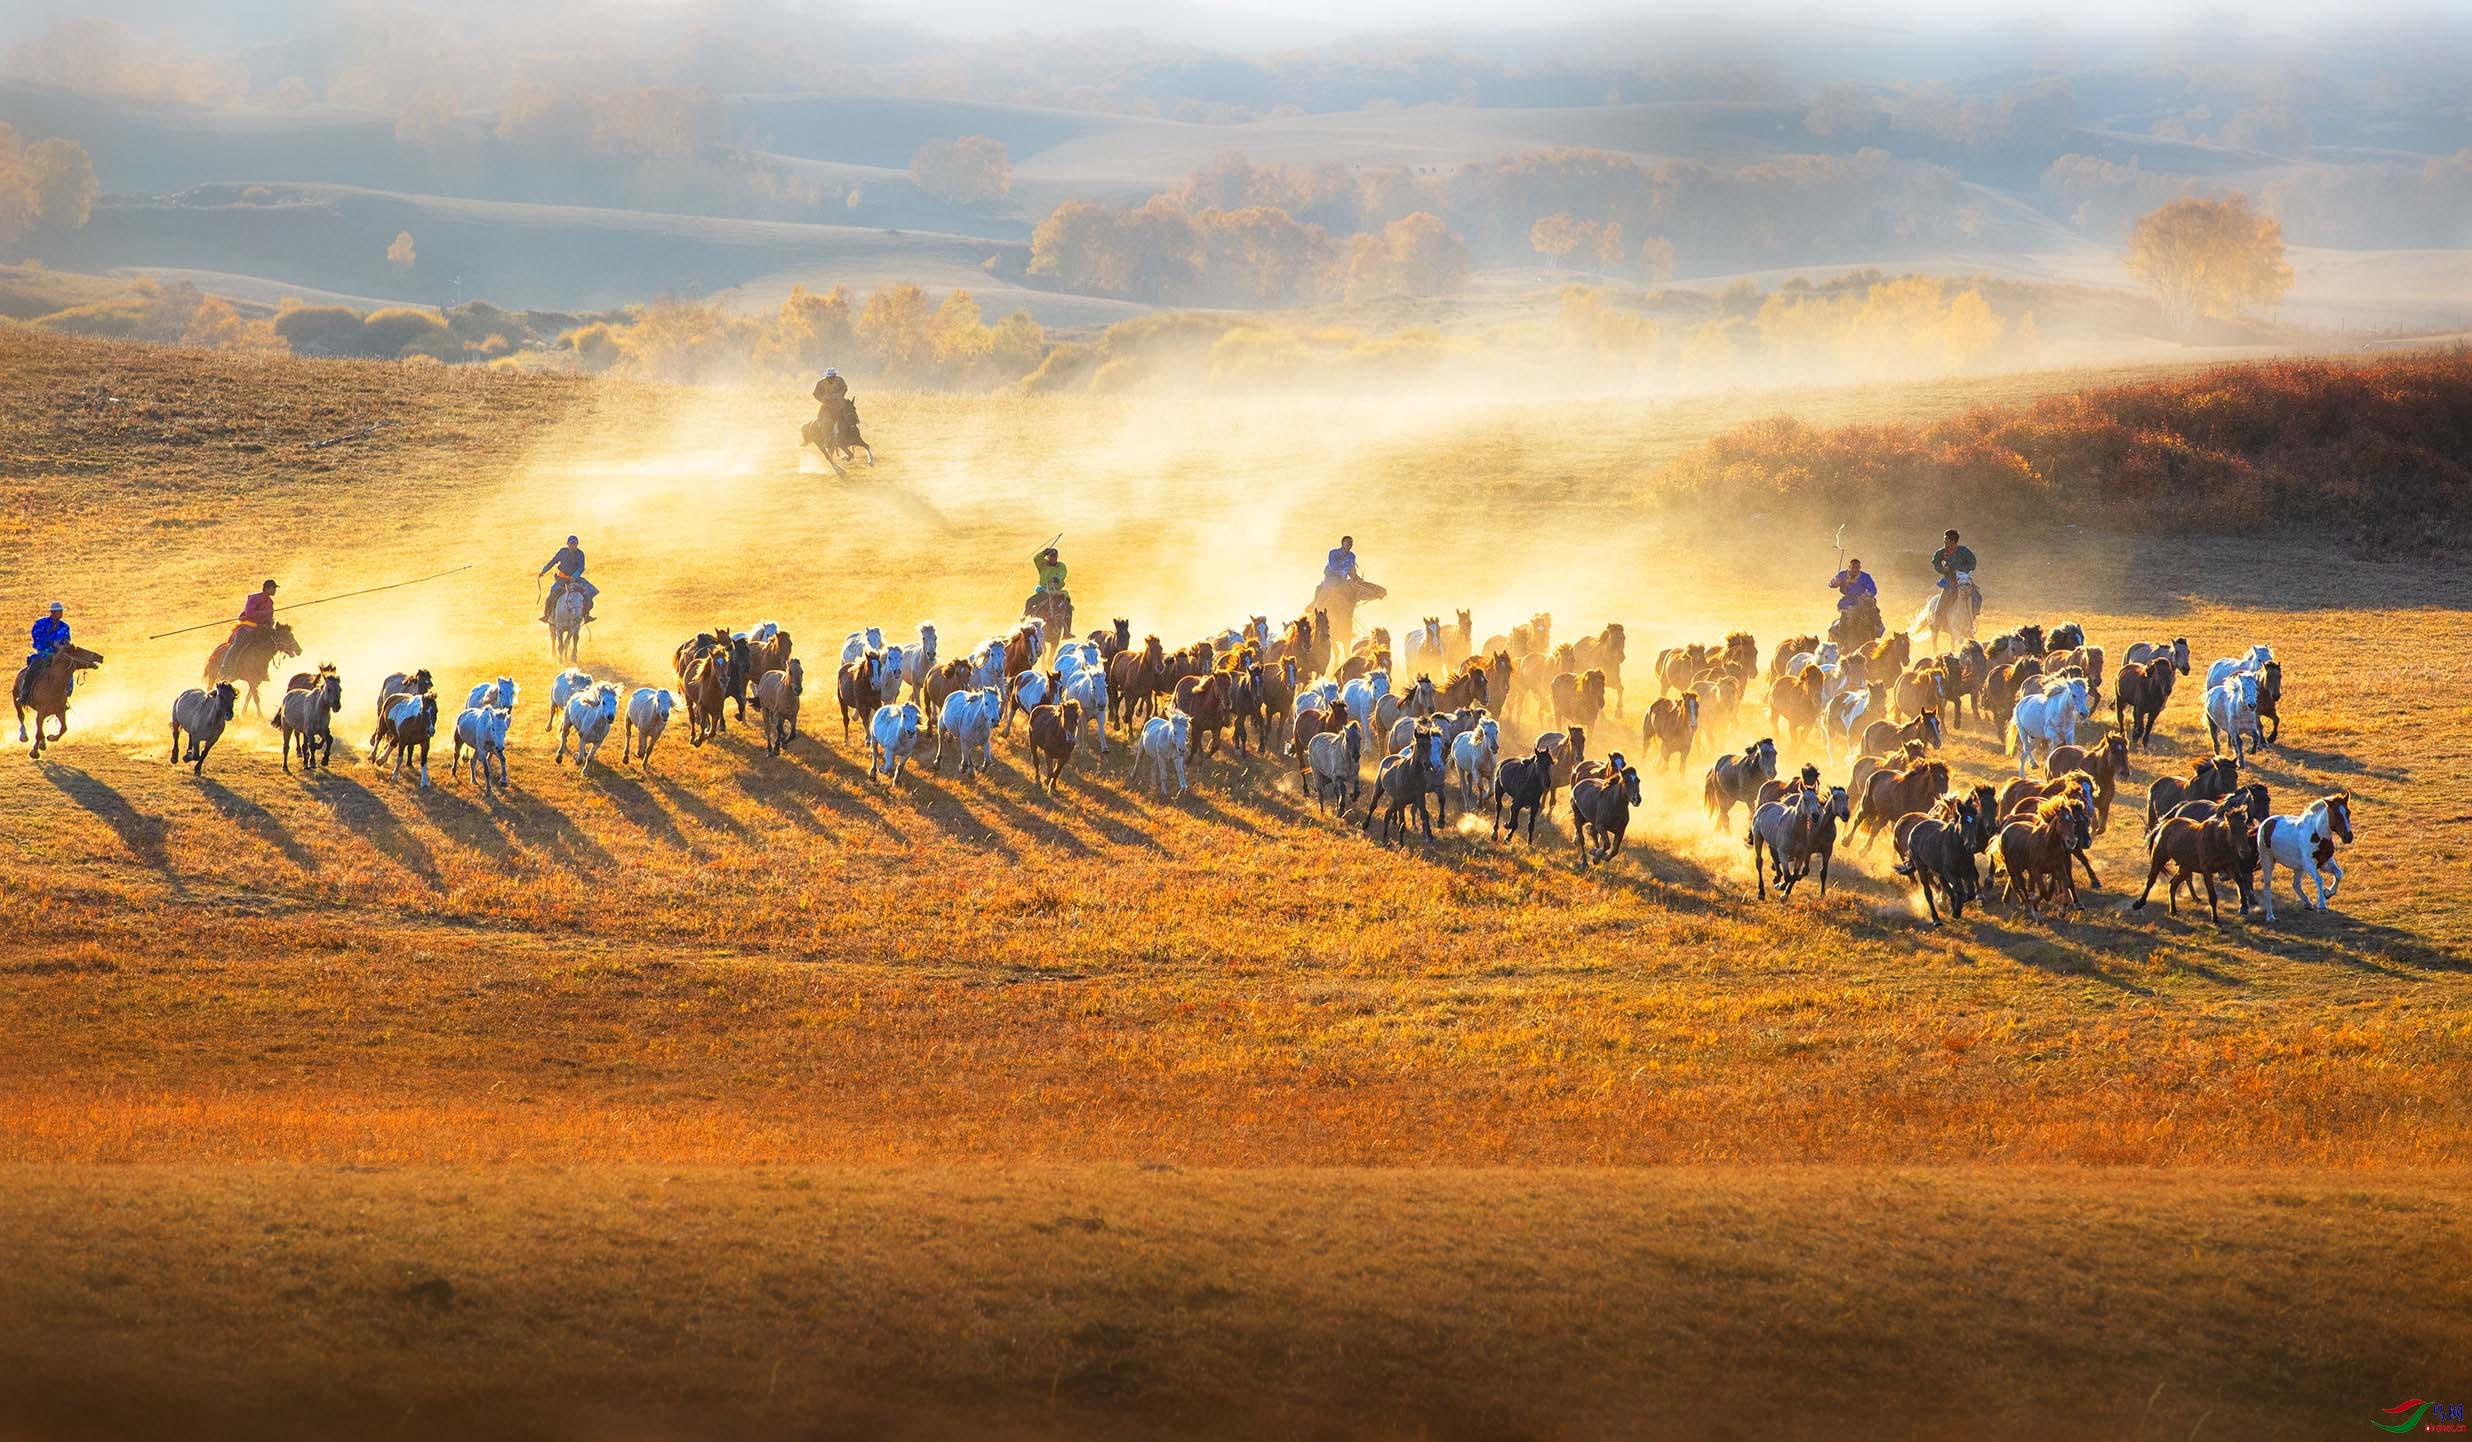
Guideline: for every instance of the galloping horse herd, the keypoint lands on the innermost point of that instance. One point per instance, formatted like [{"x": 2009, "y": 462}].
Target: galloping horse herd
[{"x": 1324, "y": 702}]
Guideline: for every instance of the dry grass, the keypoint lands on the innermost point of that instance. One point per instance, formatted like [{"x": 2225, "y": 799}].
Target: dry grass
[{"x": 749, "y": 963}]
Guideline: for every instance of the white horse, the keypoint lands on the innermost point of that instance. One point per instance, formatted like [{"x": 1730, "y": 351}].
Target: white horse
[
  {"x": 920, "y": 660},
  {"x": 482, "y": 731},
  {"x": 2232, "y": 707},
  {"x": 2231, "y": 666},
  {"x": 1364, "y": 697},
  {"x": 566, "y": 626},
  {"x": 2295, "y": 841},
  {"x": 569, "y": 684},
  {"x": 2050, "y": 718},
  {"x": 1336, "y": 759},
  {"x": 1422, "y": 646},
  {"x": 892, "y": 739},
  {"x": 1474, "y": 755},
  {"x": 588, "y": 717},
  {"x": 648, "y": 713},
  {"x": 1089, "y": 687},
  {"x": 1163, "y": 743},
  {"x": 500, "y": 692},
  {"x": 1320, "y": 696},
  {"x": 969, "y": 720},
  {"x": 862, "y": 642},
  {"x": 987, "y": 663}
]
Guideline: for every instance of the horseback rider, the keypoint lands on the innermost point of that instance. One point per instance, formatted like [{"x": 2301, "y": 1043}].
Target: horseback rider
[
  {"x": 257, "y": 614},
  {"x": 1050, "y": 599},
  {"x": 51, "y": 632},
  {"x": 1854, "y": 585},
  {"x": 569, "y": 564},
  {"x": 834, "y": 415},
  {"x": 1342, "y": 563},
  {"x": 1955, "y": 563}
]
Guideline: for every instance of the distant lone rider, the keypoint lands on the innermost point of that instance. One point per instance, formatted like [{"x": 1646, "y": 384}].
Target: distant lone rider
[
  {"x": 51, "y": 632},
  {"x": 1854, "y": 586},
  {"x": 835, "y": 426},
  {"x": 1050, "y": 568},
  {"x": 569, "y": 566}
]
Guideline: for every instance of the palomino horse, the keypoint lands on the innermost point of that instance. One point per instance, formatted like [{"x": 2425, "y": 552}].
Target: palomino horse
[
  {"x": 248, "y": 660},
  {"x": 45, "y": 689},
  {"x": 566, "y": 626},
  {"x": 1338, "y": 599}
]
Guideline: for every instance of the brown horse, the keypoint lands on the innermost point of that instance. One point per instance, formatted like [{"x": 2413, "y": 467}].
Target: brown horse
[
  {"x": 1794, "y": 704},
  {"x": 43, "y": 688},
  {"x": 2209, "y": 780},
  {"x": 1602, "y": 652},
  {"x": 1889, "y": 794},
  {"x": 2144, "y": 688},
  {"x": 1873, "y": 762},
  {"x": 1890, "y": 654},
  {"x": 1883, "y": 736},
  {"x": 1671, "y": 726},
  {"x": 1787, "y": 650},
  {"x": 2034, "y": 851},
  {"x": 2221, "y": 845},
  {"x": 251, "y": 659},
  {"x": 1735, "y": 780},
  {"x": 2106, "y": 763},
  {"x": 706, "y": 688}
]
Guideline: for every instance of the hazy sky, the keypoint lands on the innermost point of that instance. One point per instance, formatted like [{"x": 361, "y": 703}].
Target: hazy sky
[{"x": 1242, "y": 24}]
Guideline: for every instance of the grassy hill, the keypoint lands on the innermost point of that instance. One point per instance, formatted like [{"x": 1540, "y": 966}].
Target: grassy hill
[{"x": 747, "y": 1094}]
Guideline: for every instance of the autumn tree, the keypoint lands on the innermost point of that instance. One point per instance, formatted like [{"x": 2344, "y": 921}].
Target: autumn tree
[
  {"x": 892, "y": 328},
  {"x": 1656, "y": 260},
  {"x": 973, "y": 170},
  {"x": 2210, "y": 257},
  {"x": 64, "y": 188},
  {"x": 400, "y": 253},
  {"x": 1427, "y": 257},
  {"x": 1554, "y": 235},
  {"x": 813, "y": 331}
]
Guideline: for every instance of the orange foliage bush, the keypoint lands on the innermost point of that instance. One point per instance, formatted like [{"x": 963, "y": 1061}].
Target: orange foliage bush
[{"x": 2378, "y": 447}]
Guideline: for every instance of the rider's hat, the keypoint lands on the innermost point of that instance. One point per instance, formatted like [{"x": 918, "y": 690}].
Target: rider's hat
[
  {"x": 270, "y": 585},
  {"x": 573, "y": 542},
  {"x": 1950, "y": 534},
  {"x": 830, "y": 372},
  {"x": 58, "y": 607}
]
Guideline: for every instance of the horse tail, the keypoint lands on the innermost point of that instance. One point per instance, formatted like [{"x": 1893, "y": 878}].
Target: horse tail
[{"x": 2008, "y": 735}]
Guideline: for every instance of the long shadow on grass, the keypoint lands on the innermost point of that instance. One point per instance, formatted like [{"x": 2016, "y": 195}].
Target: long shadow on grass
[
  {"x": 363, "y": 813},
  {"x": 625, "y": 790},
  {"x": 257, "y": 821},
  {"x": 141, "y": 834}
]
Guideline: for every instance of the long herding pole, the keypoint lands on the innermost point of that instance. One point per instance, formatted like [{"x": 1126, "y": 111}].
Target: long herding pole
[{"x": 320, "y": 601}]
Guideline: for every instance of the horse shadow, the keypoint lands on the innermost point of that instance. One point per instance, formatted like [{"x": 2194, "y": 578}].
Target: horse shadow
[
  {"x": 696, "y": 809},
  {"x": 143, "y": 836},
  {"x": 1045, "y": 829},
  {"x": 947, "y": 810},
  {"x": 625, "y": 790},
  {"x": 363, "y": 813},
  {"x": 536, "y": 822},
  {"x": 259, "y": 822},
  {"x": 2333, "y": 762}
]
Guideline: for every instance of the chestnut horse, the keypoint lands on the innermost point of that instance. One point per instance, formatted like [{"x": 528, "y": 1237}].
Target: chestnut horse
[{"x": 45, "y": 689}]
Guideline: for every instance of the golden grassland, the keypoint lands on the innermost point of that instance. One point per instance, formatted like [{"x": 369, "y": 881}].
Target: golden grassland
[{"x": 607, "y": 1041}]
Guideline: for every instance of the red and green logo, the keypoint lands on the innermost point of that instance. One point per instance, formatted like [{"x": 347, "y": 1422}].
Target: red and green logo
[{"x": 2424, "y": 1416}]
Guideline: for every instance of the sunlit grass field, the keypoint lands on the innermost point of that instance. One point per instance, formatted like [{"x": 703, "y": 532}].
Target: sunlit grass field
[{"x": 955, "y": 1108}]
